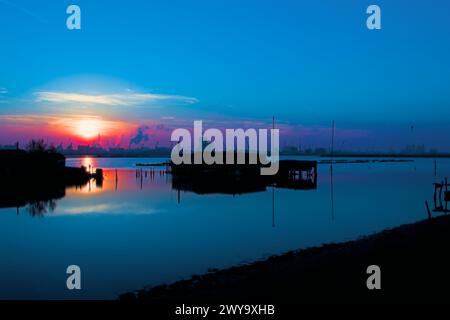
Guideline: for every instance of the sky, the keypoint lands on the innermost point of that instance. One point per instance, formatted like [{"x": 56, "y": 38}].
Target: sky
[{"x": 148, "y": 67}]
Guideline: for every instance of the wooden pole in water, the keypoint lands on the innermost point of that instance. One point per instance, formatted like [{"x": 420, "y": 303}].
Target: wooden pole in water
[
  {"x": 332, "y": 192},
  {"x": 435, "y": 191},
  {"x": 273, "y": 206},
  {"x": 332, "y": 140},
  {"x": 428, "y": 209},
  {"x": 435, "y": 167},
  {"x": 331, "y": 171},
  {"x": 117, "y": 179},
  {"x": 273, "y": 185}
]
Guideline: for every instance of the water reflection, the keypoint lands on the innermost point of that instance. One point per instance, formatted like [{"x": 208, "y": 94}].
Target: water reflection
[
  {"x": 92, "y": 197},
  {"x": 90, "y": 163},
  {"x": 40, "y": 208},
  {"x": 40, "y": 196},
  {"x": 140, "y": 187},
  {"x": 136, "y": 227}
]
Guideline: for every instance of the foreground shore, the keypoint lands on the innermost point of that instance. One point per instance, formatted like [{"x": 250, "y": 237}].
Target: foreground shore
[{"x": 413, "y": 259}]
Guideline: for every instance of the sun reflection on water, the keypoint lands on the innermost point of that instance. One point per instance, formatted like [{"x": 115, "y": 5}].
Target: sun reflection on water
[{"x": 89, "y": 163}]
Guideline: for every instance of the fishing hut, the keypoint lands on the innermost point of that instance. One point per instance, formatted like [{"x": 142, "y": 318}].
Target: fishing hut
[{"x": 242, "y": 178}]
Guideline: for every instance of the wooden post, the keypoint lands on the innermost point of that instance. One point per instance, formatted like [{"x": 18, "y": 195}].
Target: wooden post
[
  {"x": 435, "y": 191},
  {"x": 273, "y": 206},
  {"x": 428, "y": 210},
  {"x": 315, "y": 174},
  {"x": 332, "y": 142},
  {"x": 435, "y": 167},
  {"x": 117, "y": 179}
]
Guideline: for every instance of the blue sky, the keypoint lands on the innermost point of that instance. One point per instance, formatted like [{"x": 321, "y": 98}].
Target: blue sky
[{"x": 306, "y": 62}]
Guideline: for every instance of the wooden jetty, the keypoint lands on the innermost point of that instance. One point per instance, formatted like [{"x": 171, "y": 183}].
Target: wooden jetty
[{"x": 296, "y": 174}]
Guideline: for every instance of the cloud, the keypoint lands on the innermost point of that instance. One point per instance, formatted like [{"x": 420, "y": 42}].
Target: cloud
[
  {"x": 3, "y": 91},
  {"x": 129, "y": 98},
  {"x": 27, "y": 119}
]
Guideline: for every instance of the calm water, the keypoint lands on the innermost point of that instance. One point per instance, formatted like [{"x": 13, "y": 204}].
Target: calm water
[{"x": 127, "y": 236}]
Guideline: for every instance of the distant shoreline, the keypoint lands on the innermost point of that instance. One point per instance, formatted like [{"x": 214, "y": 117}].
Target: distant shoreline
[
  {"x": 340, "y": 155},
  {"x": 385, "y": 155}
]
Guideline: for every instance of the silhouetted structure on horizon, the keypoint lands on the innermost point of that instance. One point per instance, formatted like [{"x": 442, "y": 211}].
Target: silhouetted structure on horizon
[{"x": 243, "y": 178}]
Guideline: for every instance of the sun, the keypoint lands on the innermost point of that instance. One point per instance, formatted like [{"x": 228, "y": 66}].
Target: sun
[{"x": 88, "y": 128}]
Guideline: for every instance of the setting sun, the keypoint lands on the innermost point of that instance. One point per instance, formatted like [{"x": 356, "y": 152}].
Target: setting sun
[{"x": 88, "y": 128}]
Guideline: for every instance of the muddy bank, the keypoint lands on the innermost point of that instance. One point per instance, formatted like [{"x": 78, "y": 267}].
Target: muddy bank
[{"x": 413, "y": 259}]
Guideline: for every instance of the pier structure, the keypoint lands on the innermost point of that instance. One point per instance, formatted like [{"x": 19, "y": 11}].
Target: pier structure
[
  {"x": 441, "y": 197},
  {"x": 243, "y": 178}
]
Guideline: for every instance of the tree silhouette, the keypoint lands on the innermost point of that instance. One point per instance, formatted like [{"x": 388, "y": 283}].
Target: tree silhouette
[
  {"x": 40, "y": 146},
  {"x": 37, "y": 146}
]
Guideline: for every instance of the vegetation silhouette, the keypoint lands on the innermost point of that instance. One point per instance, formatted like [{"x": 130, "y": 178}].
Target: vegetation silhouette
[{"x": 37, "y": 177}]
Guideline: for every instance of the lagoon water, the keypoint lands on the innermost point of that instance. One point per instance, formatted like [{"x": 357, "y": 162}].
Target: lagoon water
[{"x": 128, "y": 235}]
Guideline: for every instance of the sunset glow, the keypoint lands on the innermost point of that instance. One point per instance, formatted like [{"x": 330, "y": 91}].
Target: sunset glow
[{"x": 88, "y": 128}]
